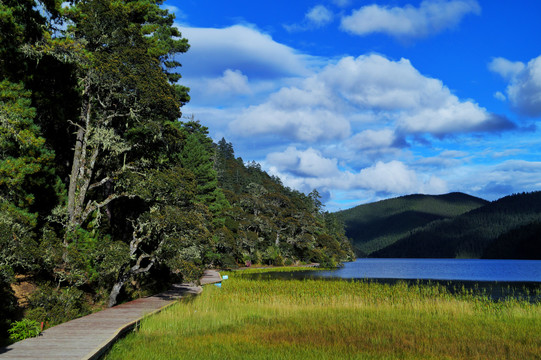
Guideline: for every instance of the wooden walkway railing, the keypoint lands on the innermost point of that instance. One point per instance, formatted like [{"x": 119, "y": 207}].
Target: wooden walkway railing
[{"x": 90, "y": 336}]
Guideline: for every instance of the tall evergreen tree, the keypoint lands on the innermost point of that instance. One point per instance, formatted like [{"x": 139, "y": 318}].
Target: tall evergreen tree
[{"x": 197, "y": 156}]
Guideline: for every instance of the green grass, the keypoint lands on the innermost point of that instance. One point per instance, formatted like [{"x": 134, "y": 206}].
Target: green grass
[{"x": 314, "y": 319}]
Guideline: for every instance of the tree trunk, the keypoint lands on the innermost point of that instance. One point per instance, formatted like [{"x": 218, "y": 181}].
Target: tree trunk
[
  {"x": 74, "y": 172},
  {"x": 82, "y": 168},
  {"x": 116, "y": 289}
]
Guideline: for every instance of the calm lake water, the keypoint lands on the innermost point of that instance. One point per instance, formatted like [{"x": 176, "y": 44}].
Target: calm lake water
[
  {"x": 439, "y": 269},
  {"x": 498, "y": 279}
]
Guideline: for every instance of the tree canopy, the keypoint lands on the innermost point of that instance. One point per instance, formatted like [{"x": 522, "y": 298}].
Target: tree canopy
[{"x": 106, "y": 191}]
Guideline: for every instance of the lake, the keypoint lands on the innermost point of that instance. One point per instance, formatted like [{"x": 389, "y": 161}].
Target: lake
[
  {"x": 439, "y": 269},
  {"x": 499, "y": 279}
]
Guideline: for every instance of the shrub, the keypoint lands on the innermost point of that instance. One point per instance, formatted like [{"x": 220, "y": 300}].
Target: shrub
[
  {"x": 24, "y": 329},
  {"x": 57, "y": 305}
]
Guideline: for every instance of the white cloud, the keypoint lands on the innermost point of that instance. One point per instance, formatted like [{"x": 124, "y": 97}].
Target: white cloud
[
  {"x": 421, "y": 104},
  {"x": 507, "y": 69},
  {"x": 500, "y": 96},
  {"x": 319, "y": 16},
  {"x": 303, "y": 163},
  {"x": 257, "y": 55},
  {"x": 524, "y": 90},
  {"x": 396, "y": 178},
  {"x": 493, "y": 181},
  {"x": 392, "y": 177},
  {"x": 231, "y": 83},
  {"x": 373, "y": 81},
  {"x": 316, "y": 17},
  {"x": 454, "y": 117},
  {"x": 372, "y": 139},
  {"x": 323, "y": 106},
  {"x": 306, "y": 125},
  {"x": 431, "y": 17}
]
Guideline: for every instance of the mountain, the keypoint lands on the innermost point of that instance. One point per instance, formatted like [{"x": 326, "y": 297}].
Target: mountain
[
  {"x": 523, "y": 242},
  {"x": 375, "y": 226},
  {"x": 506, "y": 228}
]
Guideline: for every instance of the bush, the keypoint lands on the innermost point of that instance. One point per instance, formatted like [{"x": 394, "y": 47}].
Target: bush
[
  {"x": 9, "y": 310},
  {"x": 24, "y": 329},
  {"x": 57, "y": 305}
]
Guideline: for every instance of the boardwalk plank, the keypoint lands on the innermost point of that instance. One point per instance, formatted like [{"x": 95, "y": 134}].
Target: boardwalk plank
[{"x": 90, "y": 336}]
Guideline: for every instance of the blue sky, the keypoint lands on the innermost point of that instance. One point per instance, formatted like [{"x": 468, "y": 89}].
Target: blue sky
[{"x": 366, "y": 100}]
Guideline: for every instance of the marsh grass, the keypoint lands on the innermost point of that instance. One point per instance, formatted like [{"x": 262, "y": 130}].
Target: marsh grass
[{"x": 312, "y": 319}]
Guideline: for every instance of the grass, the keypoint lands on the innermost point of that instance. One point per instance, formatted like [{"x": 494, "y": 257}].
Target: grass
[{"x": 313, "y": 319}]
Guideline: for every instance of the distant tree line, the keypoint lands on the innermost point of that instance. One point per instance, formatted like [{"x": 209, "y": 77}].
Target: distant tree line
[
  {"x": 506, "y": 229},
  {"x": 377, "y": 225}
]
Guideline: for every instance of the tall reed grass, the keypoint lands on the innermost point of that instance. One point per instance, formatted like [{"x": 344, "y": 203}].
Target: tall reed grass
[{"x": 314, "y": 319}]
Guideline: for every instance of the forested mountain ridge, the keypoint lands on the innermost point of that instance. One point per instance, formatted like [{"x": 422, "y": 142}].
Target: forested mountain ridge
[
  {"x": 505, "y": 228},
  {"x": 105, "y": 195},
  {"x": 268, "y": 222},
  {"x": 377, "y": 225}
]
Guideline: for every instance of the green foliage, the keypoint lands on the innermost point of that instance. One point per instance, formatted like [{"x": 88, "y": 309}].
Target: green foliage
[
  {"x": 377, "y": 225},
  {"x": 8, "y": 305},
  {"x": 102, "y": 189},
  {"x": 471, "y": 234},
  {"x": 270, "y": 223},
  {"x": 54, "y": 305},
  {"x": 197, "y": 156},
  {"x": 24, "y": 329},
  {"x": 523, "y": 242},
  {"x": 26, "y": 164}
]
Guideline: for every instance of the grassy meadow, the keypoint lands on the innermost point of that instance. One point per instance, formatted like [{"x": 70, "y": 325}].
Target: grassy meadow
[{"x": 314, "y": 319}]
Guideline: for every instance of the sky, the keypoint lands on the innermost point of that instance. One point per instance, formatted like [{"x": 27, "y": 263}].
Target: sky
[{"x": 368, "y": 100}]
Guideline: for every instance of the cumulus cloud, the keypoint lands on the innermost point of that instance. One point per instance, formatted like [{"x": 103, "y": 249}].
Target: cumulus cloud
[
  {"x": 316, "y": 17},
  {"x": 323, "y": 106},
  {"x": 507, "y": 69},
  {"x": 373, "y": 139},
  {"x": 308, "y": 163},
  {"x": 524, "y": 89},
  {"x": 431, "y": 17},
  {"x": 306, "y": 125},
  {"x": 500, "y": 96},
  {"x": 491, "y": 181},
  {"x": 373, "y": 81},
  {"x": 319, "y": 16},
  {"x": 421, "y": 104},
  {"x": 213, "y": 51},
  {"x": 232, "y": 82},
  {"x": 309, "y": 169},
  {"x": 454, "y": 117}
]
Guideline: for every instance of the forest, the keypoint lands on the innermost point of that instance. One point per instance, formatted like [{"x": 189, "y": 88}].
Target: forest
[
  {"x": 107, "y": 191},
  {"x": 454, "y": 225},
  {"x": 377, "y": 225},
  {"x": 503, "y": 229}
]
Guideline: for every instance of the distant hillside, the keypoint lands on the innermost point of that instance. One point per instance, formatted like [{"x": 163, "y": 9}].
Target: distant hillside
[
  {"x": 506, "y": 228},
  {"x": 378, "y": 225},
  {"x": 523, "y": 242}
]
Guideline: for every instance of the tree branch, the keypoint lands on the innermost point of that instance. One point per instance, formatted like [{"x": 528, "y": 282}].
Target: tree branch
[
  {"x": 93, "y": 206},
  {"x": 99, "y": 183}
]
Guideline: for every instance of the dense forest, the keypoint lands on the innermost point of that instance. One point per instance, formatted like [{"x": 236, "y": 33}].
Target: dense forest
[
  {"x": 377, "y": 225},
  {"x": 106, "y": 191},
  {"x": 507, "y": 228}
]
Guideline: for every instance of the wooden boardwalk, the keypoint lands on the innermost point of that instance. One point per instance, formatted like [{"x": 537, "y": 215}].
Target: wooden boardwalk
[{"x": 90, "y": 336}]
